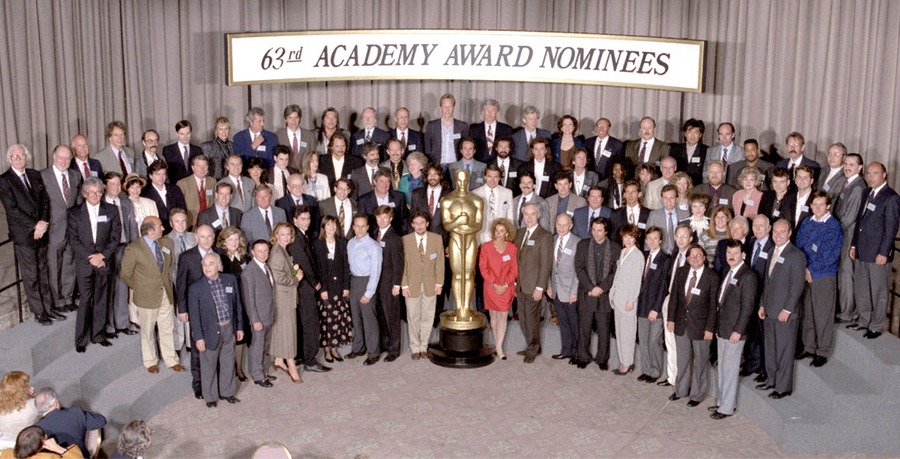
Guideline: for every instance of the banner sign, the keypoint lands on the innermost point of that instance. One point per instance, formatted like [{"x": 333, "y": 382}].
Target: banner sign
[{"x": 612, "y": 60}]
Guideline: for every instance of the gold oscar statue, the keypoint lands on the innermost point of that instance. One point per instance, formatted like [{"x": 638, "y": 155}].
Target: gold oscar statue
[{"x": 462, "y": 214}]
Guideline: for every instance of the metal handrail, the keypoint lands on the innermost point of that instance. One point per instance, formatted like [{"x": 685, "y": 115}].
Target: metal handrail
[{"x": 17, "y": 283}]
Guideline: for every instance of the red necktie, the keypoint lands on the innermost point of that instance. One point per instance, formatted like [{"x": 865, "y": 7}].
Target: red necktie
[
  {"x": 201, "y": 194},
  {"x": 294, "y": 145},
  {"x": 65, "y": 184},
  {"x": 643, "y": 151},
  {"x": 403, "y": 140},
  {"x": 240, "y": 191},
  {"x": 431, "y": 202},
  {"x": 122, "y": 162},
  {"x": 87, "y": 172}
]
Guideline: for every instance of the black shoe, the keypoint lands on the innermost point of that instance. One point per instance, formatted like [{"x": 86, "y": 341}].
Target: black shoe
[
  {"x": 318, "y": 368},
  {"x": 560, "y": 356},
  {"x": 650, "y": 380},
  {"x": 745, "y": 373},
  {"x": 581, "y": 365},
  {"x": 718, "y": 416},
  {"x": 104, "y": 343},
  {"x": 803, "y": 355},
  {"x": 573, "y": 361},
  {"x": 674, "y": 397},
  {"x": 231, "y": 399},
  {"x": 211, "y": 404},
  {"x": 643, "y": 377},
  {"x": 55, "y": 314},
  {"x": 127, "y": 331},
  {"x": 838, "y": 320},
  {"x": 765, "y": 386},
  {"x": 70, "y": 308},
  {"x": 777, "y": 395},
  {"x": 329, "y": 359},
  {"x": 391, "y": 357},
  {"x": 853, "y": 326},
  {"x": 761, "y": 378},
  {"x": 42, "y": 319},
  {"x": 603, "y": 366},
  {"x": 713, "y": 408},
  {"x": 664, "y": 383},
  {"x": 80, "y": 349},
  {"x": 111, "y": 335},
  {"x": 693, "y": 403},
  {"x": 354, "y": 355},
  {"x": 263, "y": 383},
  {"x": 372, "y": 360},
  {"x": 872, "y": 335},
  {"x": 529, "y": 359},
  {"x": 818, "y": 361},
  {"x": 198, "y": 395}
]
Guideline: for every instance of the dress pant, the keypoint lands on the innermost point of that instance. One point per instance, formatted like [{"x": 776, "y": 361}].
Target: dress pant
[
  {"x": 162, "y": 318},
  {"x": 389, "y": 319},
  {"x": 118, "y": 295},
  {"x": 650, "y": 346},
  {"x": 729, "y": 373},
  {"x": 61, "y": 263},
  {"x": 871, "y": 286},
  {"x": 93, "y": 283},
  {"x": 781, "y": 339},
  {"x": 366, "y": 337},
  {"x": 530, "y": 321},
  {"x": 626, "y": 330},
  {"x": 219, "y": 383},
  {"x": 419, "y": 317},
  {"x": 568, "y": 326},
  {"x": 818, "y": 316},
  {"x": 308, "y": 326},
  {"x": 846, "y": 268},
  {"x": 693, "y": 367},
  {"x": 588, "y": 315},
  {"x": 35, "y": 277},
  {"x": 259, "y": 347}
]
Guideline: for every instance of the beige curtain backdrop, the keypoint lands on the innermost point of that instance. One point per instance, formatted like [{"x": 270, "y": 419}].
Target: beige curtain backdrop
[{"x": 826, "y": 68}]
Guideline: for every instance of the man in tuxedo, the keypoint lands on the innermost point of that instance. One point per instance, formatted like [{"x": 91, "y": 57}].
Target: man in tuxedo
[
  {"x": 595, "y": 265},
  {"x": 542, "y": 168},
  {"x": 221, "y": 214},
  {"x": 116, "y": 156},
  {"x": 692, "y": 317},
  {"x": 28, "y": 215},
  {"x": 280, "y": 171},
  {"x": 846, "y": 210},
  {"x": 652, "y": 197},
  {"x": 197, "y": 189},
  {"x": 529, "y": 131},
  {"x": 648, "y": 149},
  {"x": 383, "y": 195},
  {"x": 64, "y": 190},
  {"x": 602, "y": 148},
  {"x": 180, "y": 154},
  {"x": 795, "y": 145},
  {"x": 506, "y": 164},
  {"x": 340, "y": 206},
  {"x": 582, "y": 177},
  {"x": 298, "y": 139},
  {"x": 468, "y": 162},
  {"x": 296, "y": 198},
  {"x": 150, "y": 142},
  {"x": 258, "y": 221},
  {"x": 564, "y": 201},
  {"x": 719, "y": 192},
  {"x": 726, "y": 151},
  {"x": 488, "y": 131},
  {"x": 736, "y": 302},
  {"x": 337, "y": 164},
  {"x": 410, "y": 139},
  {"x": 872, "y": 248},
  {"x": 832, "y": 181},
  {"x": 82, "y": 162},
  {"x": 535, "y": 263},
  {"x": 526, "y": 183},
  {"x": 498, "y": 202},
  {"x": 255, "y": 141},
  {"x": 167, "y": 196},
  {"x": 145, "y": 268},
  {"x": 751, "y": 159},
  {"x": 631, "y": 212},
  {"x": 242, "y": 196},
  {"x": 307, "y": 307},
  {"x": 798, "y": 199},
  {"x": 257, "y": 290},
  {"x": 666, "y": 218},
  {"x": 754, "y": 350},
  {"x": 690, "y": 156},
  {"x": 442, "y": 135},
  {"x": 214, "y": 306},
  {"x": 389, "y": 282},
  {"x": 370, "y": 133},
  {"x": 650, "y": 321},
  {"x": 422, "y": 281},
  {"x": 118, "y": 319},
  {"x": 780, "y": 310},
  {"x": 583, "y": 216},
  {"x": 363, "y": 177},
  {"x": 563, "y": 289}
]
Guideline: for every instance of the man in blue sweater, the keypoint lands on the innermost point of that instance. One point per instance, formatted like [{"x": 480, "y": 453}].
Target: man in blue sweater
[{"x": 820, "y": 238}]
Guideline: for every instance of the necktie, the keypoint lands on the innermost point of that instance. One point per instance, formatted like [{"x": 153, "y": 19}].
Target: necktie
[
  {"x": 225, "y": 218},
  {"x": 284, "y": 182},
  {"x": 122, "y": 162},
  {"x": 725, "y": 155},
  {"x": 725, "y": 285},
  {"x": 268, "y": 222},
  {"x": 86, "y": 171},
  {"x": 774, "y": 260},
  {"x": 503, "y": 173},
  {"x": 341, "y": 215},
  {"x": 690, "y": 292},
  {"x": 159, "y": 255},
  {"x": 681, "y": 259},
  {"x": 368, "y": 136},
  {"x": 421, "y": 250},
  {"x": 431, "y": 202},
  {"x": 25, "y": 181},
  {"x": 559, "y": 250},
  {"x": 647, "y": 266},
  {"x": 373, "y": 177},
  {"x": 379, "y": 235},
  {"x": 295, "y": 145},
  {"x": 181, "y": 242},
  {"x": 490, "y": 133},
  {"x": 201, "y": 194},
  {"x": 469, "y": 168},
  {"x": 756, "y": 249},
  {"x": 268, "y": 275},
  {"x": 521, "y": 206},
  {"x": 525, "y": 239},
  {"x": 403, "y": 140},
  {"x": 630, "y": 216},
  {"x": 240, "y": 191},
  {"x": 65, "y": 185},
  {"x": 491, "y": 203},
  {"x": 865, "y": 207},
  {"x": 187, "y": 156},
  {"x": 643, "y": 151},
  {"x": 670, "y": 232},
  {"x": 396, "y": 175}
]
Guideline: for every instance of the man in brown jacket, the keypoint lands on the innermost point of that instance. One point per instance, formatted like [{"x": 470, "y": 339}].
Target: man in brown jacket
[
  {"x": 423, "y": 274},
  {"x": 535, "y": 260}
]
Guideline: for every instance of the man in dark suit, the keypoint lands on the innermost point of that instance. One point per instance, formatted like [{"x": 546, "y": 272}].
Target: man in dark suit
[
  {"x": 442, "y": 146},
  {"x": 214, "y": 305},
  {"x": 799, "y": 198},
  {"x": 795, "y": 145},
  {"x": 363, "y": 177},
  {"x": 736, "y": 302},
  {"x": 535, "y": 263},
  {"x": 370, "y": 133},
  {"x": 654, "y": 288},
  {"x": 68, "y": 426},
  {"x": 150, "y": 142},
  {"x": 341, "y": 207},
  {"x": 602, "y": 148},
  {"x": 27, "y": 205},
  {"x": 529, "y": 131},
  {"x": 751, "y": 159},
  {"x": 872, "y": 248},
  {"x": 384, "y": 195},
  {"x": 307, "y": 308},
  {"x": 488, "y": 131},
  {"x": 389, "y": 283},
  {"x": 179, "y": 154},
  {"x": 221, "y": 215},
  {"x": 166, "y": 196},
  {"x": 780, "y": 309},
  {"x": 754, "y": 349},
  {"x": 690, "y": 156},
  {"x": 583, "y": 217},
  {"x": 295, "y": 198},
  {"x": 541, "y": 167},
  {"x": 190, "y": 270},
  {"x": 631, "y": 212},
  {"x": 509, "y": 166},
  {"x": 337, "y": 163},
  {"x": 595, "y": 265},
  {"x": 93, "y": 251},
  {"x": 428, "y": 198},
  {"x": 298, "y": 139},
  {"x": 648, "y": 149},
  {"x": 82, "y": 162},
  {"x": 256, "y": 141},
  {"x": 692, "y": 317},
  {"x": 257, "y": 290},
  {"x": 118, "y": 319},
  {"x": 410, "y": 139},
  {"x": 277, "y": 175},
  {"x": 64, "y": 189},
  {"x": 719, "y": 192}
]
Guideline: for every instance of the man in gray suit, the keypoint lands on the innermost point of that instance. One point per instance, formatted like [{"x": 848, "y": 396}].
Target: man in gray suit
[
  {"x": 846, "y": 210},
  {"x": 257, "y": 286},
  {"x": 667, "y": 218},
  {"x": 751, "y": 159},
  {"x": 116, "y": 156},
  {"x": 726, "y": 151},
  {"x": 564, "y": 202},
  {"x": 299, "y": 140},
  {"x": 831, "y": 180},
  {"x": 529, "y": 131},
  {"x": 64, "y": 187},
  {"x": 526, "y": 184},
  {"x": 182, "y": 241},
  {"x": 341, "y": 207},
  {"x": 242, "y": 198},
  {"x": 563, "y": 289},
  {"x": 118, "y": 321},
  {"x": 468, "y": 162},
  {"x": 150, "y": 142},
  {"x": 779, "y": 308},
  {"x": 364, "y": 176},
  {"x": 258, "y": 221}
]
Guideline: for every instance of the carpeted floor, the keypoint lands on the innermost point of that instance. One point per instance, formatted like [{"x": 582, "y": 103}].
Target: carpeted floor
[{"x": 416, "y": 409}]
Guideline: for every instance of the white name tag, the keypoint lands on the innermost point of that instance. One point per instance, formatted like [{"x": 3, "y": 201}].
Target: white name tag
[
  {"x": 505, "y": 206},
  {"x": 585, "y": 188},
  {"x": 261, "y": 148},
  {"x": 567, "y": 251},
  {"x": 93, "y": 173},
  {"x": 166, "y": 250},
  {"x": 303, "y": 144},
  {"x": 606, "y": 153},
  {"x": 217, "y": 223},
  {"x": 761, "y": 176},
  {"x": 513, "y": 174},
  {"x": 804, "y": 209},
  {"x": 505, "y": 258},
  {"x": 530, "y": 243},
  {"x": 826, "y": 187},
  {"x": 733, "y": 281},
  {"x": 479, "y": 179},
  {"x": 102, "y": 219},
  {"x": 411, "y": 147},
  {"x": 433, "y": 256},
  {"x": 382, "y": 244},
  {"x": 780, "y": 260},
  {"x": 653, "y": 266},
  {"x": 391, "y": 204},
  {"x": 229, "y": 290},
  {"x": 570, "y": 213},
  {"x": 331, "y": 256},
  {"x": 871, "y": 207},
  {"x": 209, "y": 192},
  {"x": 723, "y": 202},
  {"x": 764, "y": 255},
  {"x": 642, "y": 225},
  {"x": 349, "y": 176},
  {"x": 815, "y": 248},
  {"x": 457, "y": 136},
  {"x": 776, "y": 213},
  {"x": 695, "y": 160},
  {"x": 749, "y": 202},
  {"x": 360, "y": 141},
  {"x": 695, "y": 291},
  {"x": 544, "y": 178}
]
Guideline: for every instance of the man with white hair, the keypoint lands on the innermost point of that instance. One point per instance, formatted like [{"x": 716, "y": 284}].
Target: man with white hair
[
  {"x": 68, "y": 426},
  {"x": 256, "y": 141},
  {"x": 370, "y": 133}
]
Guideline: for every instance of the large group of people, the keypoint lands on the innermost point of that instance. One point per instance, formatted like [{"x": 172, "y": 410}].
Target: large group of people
[{"x": 258, "y": 252}]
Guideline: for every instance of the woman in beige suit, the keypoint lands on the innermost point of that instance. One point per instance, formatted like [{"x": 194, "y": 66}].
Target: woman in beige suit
[
  {"x": 623, "y": 296},
  {"x": 287, "y": 275}
]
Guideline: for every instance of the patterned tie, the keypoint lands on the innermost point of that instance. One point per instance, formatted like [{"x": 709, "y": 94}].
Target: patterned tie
[
  {"x": 503, "y": 173},
  {"x": 201, "y": 194},
  {"x": 373, "y": 177},
  {"x": 295, "y": 146},
  {"x": 159, "y": 255},
  {"x": 403, "y": 140},
  {"x": 491, "y": 203},
  {"x": 525, "y": 239},
  {"x": 268, "y": 222},
  {"x": 559, "y": 251},
  {"x": 341, "y": 216},
  {"x": 490, "y": 133},
  {"x": 225, "y": 218},
  {"x": 690, "y": 293},
  {"x": 86, "y": 171},
  {"x": 65, "y": 185},
  {"x": 368, "y": 136},
  {"x": 725, "y": 155},
  {"x": 421, "y": 250},
  {"x": 630, "y": 216},
  {"x": 431, "y": 202},
  {"x": 643, "y": 151},
  {"x": 396, "y": 175},
  {"x": 670, "y": 233}
]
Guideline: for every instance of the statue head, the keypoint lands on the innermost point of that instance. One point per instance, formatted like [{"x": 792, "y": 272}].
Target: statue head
[{"x": 461, "y": 177}]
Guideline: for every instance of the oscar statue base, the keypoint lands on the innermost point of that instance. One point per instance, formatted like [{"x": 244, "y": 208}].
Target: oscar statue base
[{"x": 461, "y": 347}]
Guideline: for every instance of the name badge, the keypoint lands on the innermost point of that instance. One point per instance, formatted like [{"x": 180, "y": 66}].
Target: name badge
[
  {"x": 505, "y": 206},
  {"x": 457, "y": 136},
  {"x": 303, "y": 144},
  {"x": 804, "y": 208},
  {"x": 776, "y": 213},
  {"x": 815, "y": 248},
  {"x": 871, "y": 207},
  {"x": 733, "y": 281},
  {"x": 513, "y": 174},
  {"x": 761, "y": 177},
  {"x": 606, "y": 153},
  {"x": 658, "y": 163},
  {"x": 382, "y": 244},
  {"x": 653, "y": 266},
  {"x": 229, "y": 290},
  {"x": 764, "y": 255},
  {"x": 529, "y": 243},
  {"x": 102, "y": 219},
  {"x": 723, "y": 202},
  {"x": 695, "y": 160},
  {"x": 479, "y": 179},
  {"x": 434, "y": 256},
  {"x": 166, "y": 251},
  {"x": 217, "y": 223},
  {"x": 505, "y": 258},
  {"x": 585, "y": 188},
  {"x": 642, "y": 225},
  {"x": 261, "y": 148},
  {"x": 209, "y": 192},
  {"x": 683, "y": 206},
  {"x": 391, "y": 204},
  {"x": 749, "y": 202},
  {"x": 349, "y": 176},
  {"x": 695, "y": 291},
  {"x": 411, "y": 147},
  {"x": 567, "y": 251},
  {"x": 93, "y": 173},
  {"x": 780, "y": 260},
  {"x": 360, "y": 141},
  {"x": 570, "y": 213},
  {"x": 545, "y": 178},
  {"x": 826, "y": 187}
]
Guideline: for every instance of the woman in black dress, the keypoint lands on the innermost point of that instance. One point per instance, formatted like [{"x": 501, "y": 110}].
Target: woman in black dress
[
  {"x": 233, "y": 242},
  {"x": 334, "y": 312}
]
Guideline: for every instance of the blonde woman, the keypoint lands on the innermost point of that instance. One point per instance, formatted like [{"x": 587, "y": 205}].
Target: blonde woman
[
  {"x": 287, "y": 275},
  {"x": 17, "y": 410},
  {"x": 497, "y": 261}
]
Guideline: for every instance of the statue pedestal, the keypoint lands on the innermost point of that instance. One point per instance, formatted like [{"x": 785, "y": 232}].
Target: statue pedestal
[{"x": 461, "y": 343}]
